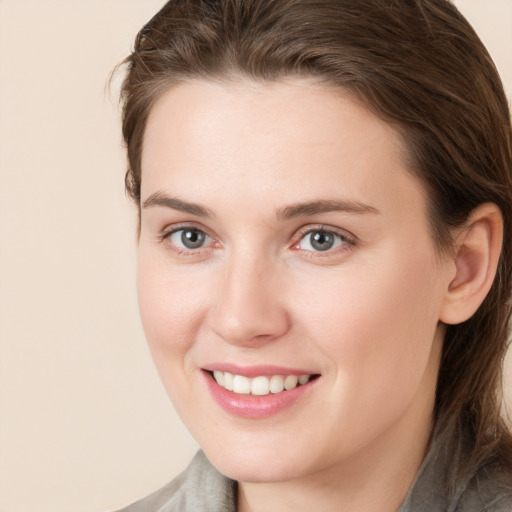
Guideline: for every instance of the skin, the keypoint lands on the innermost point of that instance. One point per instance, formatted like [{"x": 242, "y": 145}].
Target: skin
[{"x": 364, "y": 315}]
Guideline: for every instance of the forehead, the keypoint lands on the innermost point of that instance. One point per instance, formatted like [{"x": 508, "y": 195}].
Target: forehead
[{"x": 296, "y": 137}]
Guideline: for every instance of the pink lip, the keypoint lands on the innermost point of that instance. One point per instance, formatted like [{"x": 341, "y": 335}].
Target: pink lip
[
  {"x": 256, "y": 371},
  {"x": 256, "y": 407}
]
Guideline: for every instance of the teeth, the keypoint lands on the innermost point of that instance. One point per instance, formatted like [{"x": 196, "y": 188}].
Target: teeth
[
  {"x": 219, "y": 377},
  {"x": 291, "y": 382},
  {"x": 228, "y": 381},
  {"x": 241, "y": 385},
  {"x": 304, "y": 379},
  {"x": 259, "y": 386},
  {"x": 276, "y": 383}
]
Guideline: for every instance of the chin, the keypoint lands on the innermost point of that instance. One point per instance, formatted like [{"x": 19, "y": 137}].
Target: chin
[
  {"x": 257, "y": 466},
  {"x": 246, "y": 471}
]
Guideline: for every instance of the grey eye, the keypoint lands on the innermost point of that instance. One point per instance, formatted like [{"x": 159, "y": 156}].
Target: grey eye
[
  {"x": 320, "y": 241},
  {"x": 189, "y": 238}
]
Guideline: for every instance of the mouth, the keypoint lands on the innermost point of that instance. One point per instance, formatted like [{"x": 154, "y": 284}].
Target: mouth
[
  {"x": 258, "y": 392},
  {"x": 260, "y": 385}
]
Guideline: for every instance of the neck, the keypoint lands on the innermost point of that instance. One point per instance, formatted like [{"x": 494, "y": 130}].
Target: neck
[{"x": 376, "y": 480}]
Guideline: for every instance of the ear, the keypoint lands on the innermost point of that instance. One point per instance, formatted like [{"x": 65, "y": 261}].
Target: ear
[{"x": 476, "y": 253}]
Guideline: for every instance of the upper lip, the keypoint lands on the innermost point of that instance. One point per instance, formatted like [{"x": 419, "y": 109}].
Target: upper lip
[{"x": 256, "y": 370}]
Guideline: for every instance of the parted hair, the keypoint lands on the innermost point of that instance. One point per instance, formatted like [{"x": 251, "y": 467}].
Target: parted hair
[{"x": 420, "y": 66}]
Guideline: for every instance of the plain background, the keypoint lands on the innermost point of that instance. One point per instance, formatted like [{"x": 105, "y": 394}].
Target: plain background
[{"x": 84, "y": 422}]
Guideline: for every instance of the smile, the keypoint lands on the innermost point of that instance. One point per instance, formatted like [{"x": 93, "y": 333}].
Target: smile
[
  {"x": 261, "y": 385},
  {"x": 258, "y": 392}
]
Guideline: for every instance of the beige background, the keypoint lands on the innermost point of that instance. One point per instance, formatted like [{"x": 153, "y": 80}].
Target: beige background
[{"x": 84, "y": 422}]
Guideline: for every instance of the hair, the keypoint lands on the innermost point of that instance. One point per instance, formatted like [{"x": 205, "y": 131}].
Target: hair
[{"x": 420, "y": 66}]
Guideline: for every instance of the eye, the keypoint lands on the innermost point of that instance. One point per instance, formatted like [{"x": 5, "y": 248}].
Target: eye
[
  {"x": 321, "y": 240},
  {"x": 189, "y": 238}
]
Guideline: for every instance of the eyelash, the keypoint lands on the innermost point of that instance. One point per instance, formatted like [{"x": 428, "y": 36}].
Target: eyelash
[
  {"x": 345, "y": 240},
  {"x": 168, "y": 233}
]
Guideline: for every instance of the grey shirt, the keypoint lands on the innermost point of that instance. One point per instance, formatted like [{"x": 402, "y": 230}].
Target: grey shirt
[{"x": 201, "y": 488}]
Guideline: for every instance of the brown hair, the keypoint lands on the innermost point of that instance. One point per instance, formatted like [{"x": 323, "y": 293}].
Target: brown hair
[{"x": 417, "y": 64}]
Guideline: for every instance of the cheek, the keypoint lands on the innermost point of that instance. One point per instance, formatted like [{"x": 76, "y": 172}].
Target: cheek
[
  {"x": 169, "y": 303},
  {"x": 170, "y": 309},
  {"x": 376, "y": 322}
]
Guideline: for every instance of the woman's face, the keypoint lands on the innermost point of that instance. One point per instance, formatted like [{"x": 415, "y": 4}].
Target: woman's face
[{"x": 282, "y": 237}]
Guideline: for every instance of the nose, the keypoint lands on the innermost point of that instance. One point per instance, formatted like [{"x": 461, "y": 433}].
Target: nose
[{"x": 249, "y": 309}]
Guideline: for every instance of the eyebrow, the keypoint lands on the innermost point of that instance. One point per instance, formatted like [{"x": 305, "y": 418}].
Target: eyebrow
[
  {"x": 324, "y": 206},
  {"x": 161, "y": 199},
  {"x": 288, "y": 212}
]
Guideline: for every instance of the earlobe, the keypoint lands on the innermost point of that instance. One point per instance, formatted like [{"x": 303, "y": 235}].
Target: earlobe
[{"x": 476, "y": 254}]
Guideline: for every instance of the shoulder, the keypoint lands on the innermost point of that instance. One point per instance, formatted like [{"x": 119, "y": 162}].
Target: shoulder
[
  {"x": 199, "y": 488},
  {"x": 487, "y": 488},
  {"x": 490, "y": 490}
]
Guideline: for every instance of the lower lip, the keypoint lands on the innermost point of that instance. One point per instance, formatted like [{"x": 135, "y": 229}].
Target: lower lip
[{"x": 253, "y": 406}]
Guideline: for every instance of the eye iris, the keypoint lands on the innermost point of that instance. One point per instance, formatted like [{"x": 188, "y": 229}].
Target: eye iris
[
  {"x": 192, "y": 239},
  {"x": 322, "y": 241}
]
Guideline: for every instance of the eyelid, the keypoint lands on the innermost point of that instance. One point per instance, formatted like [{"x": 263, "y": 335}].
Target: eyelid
[
  {"x": 164, "y": 235},
  {"x": 350, "y": 239}
]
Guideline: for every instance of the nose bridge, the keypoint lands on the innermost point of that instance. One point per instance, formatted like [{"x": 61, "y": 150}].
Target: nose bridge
[{"x": 249, "y": 308}]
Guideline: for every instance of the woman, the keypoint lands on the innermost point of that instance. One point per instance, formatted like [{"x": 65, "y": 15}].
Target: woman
[{"x": 324, "y": 252}]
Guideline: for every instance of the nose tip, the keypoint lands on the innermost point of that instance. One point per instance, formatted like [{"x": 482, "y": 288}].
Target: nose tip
[
  {"x": 236, "y": 332},
  {"x": 250, "y": 309}
]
